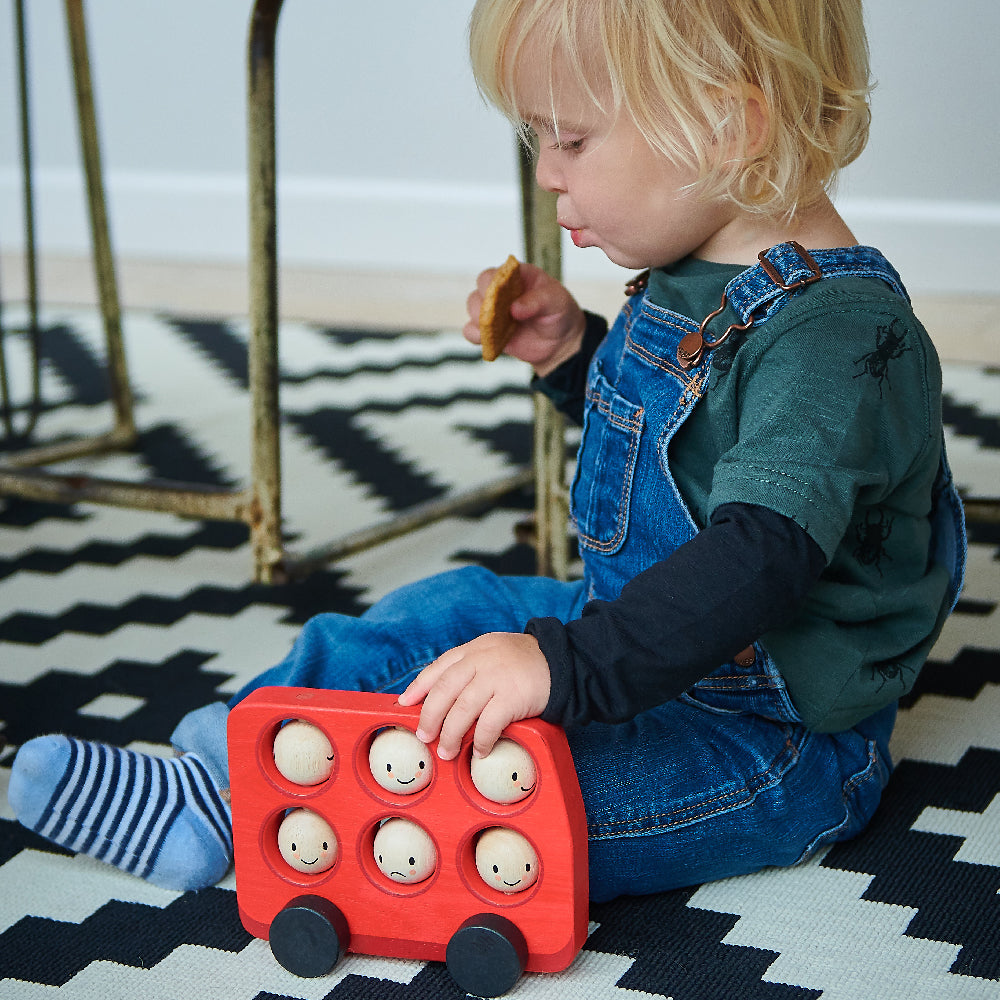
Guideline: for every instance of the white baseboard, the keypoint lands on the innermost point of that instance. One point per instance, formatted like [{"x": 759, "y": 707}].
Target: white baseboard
[
  {"x": 450, "y": 228},
  {"x": 937, "y": 246}
]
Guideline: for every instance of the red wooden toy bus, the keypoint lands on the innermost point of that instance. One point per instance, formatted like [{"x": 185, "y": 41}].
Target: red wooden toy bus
[{"x": 488, "y": 932}]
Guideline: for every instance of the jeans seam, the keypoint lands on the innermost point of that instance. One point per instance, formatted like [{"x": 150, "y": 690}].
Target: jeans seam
[
  {"x": 658, "y": 361},
  {"x": 694, "y": 814},
  {"x": 767, "y": 685},
  {"x": 406, "y": 673},
  {"x": 830, "y": 834},
  {"x": 862, "y": 776}
]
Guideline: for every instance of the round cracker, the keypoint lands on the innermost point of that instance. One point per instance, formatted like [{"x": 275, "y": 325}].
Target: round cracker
[{"x": 496, "y": 325}]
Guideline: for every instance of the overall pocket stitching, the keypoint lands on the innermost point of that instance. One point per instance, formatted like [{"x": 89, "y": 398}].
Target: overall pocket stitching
[
  {"x": 630, "y": 424},
  {"x": 612, "y": 543}
]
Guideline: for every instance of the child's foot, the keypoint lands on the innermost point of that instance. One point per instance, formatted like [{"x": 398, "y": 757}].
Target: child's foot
[{"x": 161, "y": 819}]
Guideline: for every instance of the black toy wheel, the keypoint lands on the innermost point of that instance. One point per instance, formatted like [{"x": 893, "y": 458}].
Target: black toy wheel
[
  {"x": 486, "y": 955},
  {"x": 308, "y": 936}
]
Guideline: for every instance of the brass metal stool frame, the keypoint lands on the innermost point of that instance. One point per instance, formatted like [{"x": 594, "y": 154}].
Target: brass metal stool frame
[
  {"x": 259, "y": 505},
  {"x": 122, "y": 434}
]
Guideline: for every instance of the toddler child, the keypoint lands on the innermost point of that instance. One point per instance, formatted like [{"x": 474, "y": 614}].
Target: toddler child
[{"x": 770, "y": 537}]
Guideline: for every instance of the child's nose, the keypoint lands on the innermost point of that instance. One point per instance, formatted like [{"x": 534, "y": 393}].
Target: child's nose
[{"x": 547, "y": 174}]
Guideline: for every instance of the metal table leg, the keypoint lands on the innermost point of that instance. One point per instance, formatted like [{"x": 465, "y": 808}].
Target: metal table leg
[
  {"x": 259, "y": 506},
  {"x": 12, "y": 432},
  {"x": 20, "y": 475},
  {"x": 265, "y": 450},
  {"x": 123, "y": 434},
  {"x": 543, "y": 247},
  {"x": 104, "y": 266},
  {"x": 542, "y": 244}
]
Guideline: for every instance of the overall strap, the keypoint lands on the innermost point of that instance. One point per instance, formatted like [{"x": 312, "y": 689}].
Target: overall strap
[
  {"x": 787, "y": 267},
  {"x": 758, "y": 292}
]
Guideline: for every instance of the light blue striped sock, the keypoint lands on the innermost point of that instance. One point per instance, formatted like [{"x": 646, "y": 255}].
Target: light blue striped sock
[{"x": 161, "y": 819}]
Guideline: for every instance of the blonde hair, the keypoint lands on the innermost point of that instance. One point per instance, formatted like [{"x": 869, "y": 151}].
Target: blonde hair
[{"x": 682, "y": 69}]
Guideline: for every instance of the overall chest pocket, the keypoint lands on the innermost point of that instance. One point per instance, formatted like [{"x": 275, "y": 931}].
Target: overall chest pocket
[{"x": 602, "y": 485}]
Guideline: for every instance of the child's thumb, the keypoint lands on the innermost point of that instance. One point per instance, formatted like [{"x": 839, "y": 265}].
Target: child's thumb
[{"x": 528, "y": 306}]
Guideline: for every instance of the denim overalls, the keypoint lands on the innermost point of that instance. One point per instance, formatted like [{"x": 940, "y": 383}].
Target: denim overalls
[{"x": 721, "y": 781}]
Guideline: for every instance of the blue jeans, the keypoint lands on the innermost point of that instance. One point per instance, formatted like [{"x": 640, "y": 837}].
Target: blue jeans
[{"x": 720, "y": 782}]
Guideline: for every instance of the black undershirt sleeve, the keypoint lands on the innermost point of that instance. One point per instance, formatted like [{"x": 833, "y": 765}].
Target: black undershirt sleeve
[
  {"x": 746, "y": 573},
  {"x": 565, "y": 385}
]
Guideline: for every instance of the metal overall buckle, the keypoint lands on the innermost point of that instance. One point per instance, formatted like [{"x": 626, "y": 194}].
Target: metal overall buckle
[
  {"x": 772, "y": 272},
  {"x": 693, "y": 346}
]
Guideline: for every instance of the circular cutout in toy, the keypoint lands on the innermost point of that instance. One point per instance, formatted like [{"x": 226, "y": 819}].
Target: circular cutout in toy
[
  {"x": 404, "y": 851},
  {"x": 505, "y": 860},
  {"x": 302, "y": 753},
  {"x": 307, "y": 842},
  {"x": 399, "y": 762},
  {"x": 507, "y": 774}
]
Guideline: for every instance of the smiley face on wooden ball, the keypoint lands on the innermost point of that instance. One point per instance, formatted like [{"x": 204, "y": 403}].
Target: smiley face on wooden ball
[
  {"x": 505, "y": 860},
  {"x": 399, "y": 762},
  {"x": 302, "y": 753},
  {"x": 307, "y": 842},
  {"x": 506, "y": 774}
]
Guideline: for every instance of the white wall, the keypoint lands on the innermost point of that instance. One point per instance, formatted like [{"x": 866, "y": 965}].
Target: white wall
[{"x": 387, "y": 156}]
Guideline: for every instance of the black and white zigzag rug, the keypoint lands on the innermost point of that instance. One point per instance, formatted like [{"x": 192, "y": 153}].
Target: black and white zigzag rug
[{"x": 115, "y": 623}]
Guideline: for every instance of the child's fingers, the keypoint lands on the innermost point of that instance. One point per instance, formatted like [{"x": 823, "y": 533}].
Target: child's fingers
[
  {"x": 473, "y": 305},
  {"x": 532, "y": 304},
  {"x": 458, "y": 720},
  {"x": 474, "y": 302},
  {"x": 486, "y": 683},
  {"x": 417, "y": 689},
  {"x": 493, "y": 720},
  {"x": 448, "y": 688},
  {"x": 472, "y": 333}
]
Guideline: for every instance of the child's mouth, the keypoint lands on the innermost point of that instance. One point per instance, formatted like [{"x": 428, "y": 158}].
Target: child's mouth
[{"x": 576, "y": 235}]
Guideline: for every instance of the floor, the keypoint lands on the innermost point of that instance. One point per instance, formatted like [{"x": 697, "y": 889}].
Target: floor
[{"x": 964, "y": 328}]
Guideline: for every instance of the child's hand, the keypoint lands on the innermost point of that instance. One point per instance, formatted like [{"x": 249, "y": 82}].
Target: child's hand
[
  {"x": 550, "y": 323},
  {"x": 499, "y": 678}
]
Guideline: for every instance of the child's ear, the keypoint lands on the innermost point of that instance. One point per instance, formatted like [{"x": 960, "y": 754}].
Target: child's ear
[{"x": 757, "y": 116}]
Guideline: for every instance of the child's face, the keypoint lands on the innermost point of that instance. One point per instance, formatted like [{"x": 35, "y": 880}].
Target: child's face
[{"x": 614, "y": 190}]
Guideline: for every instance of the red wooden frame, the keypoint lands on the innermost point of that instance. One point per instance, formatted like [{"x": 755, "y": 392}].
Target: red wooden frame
[{"x": 386, "y": 917}]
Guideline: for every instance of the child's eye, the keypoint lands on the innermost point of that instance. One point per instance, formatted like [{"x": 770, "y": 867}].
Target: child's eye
[{"x": 568, "y": 145}]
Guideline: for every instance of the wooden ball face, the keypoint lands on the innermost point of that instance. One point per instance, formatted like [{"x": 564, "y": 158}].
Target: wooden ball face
[
  {"x": 302, "y": 753},
  {"x": 307, "y": 842},
  {"x": 399, "y": 762},
  {"x": 505, "y": 860},
  {"x": 404, "y": 851},
  {"x": 507, "y": 774}
]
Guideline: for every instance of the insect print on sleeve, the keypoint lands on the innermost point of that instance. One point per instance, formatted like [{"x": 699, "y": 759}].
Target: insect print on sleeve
[
  {"x": 889, "y": 345},
  {"x": 894, "y": 672},
  {"x": 871, "y": 536},
  {"x": 724, "y": 356}
]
